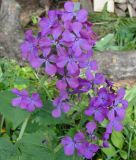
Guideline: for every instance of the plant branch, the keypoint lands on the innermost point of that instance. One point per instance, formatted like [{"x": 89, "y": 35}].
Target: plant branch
[{"x": 23, "y": 128}]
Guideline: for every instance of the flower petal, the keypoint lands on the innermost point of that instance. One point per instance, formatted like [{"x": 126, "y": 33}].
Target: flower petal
[
  {"x": 61, "y": 84},
  {"x": 82, "y": 15},
  {"x": 16, "y": 101},
  {"x": 65, "y": 107},
  {"x": 56, "y": 113},
  {"x": 91, "y": 126},
  {"x": 73, "y": 82},
  {"x": 69, "y": 6},
  {"x": 50, "y": 69},
  {"x": 76, "y": 27}
]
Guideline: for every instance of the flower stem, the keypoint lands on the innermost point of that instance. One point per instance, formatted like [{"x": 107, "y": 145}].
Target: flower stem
[
  {"x": 23, "y": 128},
  {"x": 2, "y": 122},
  {"x": 129, "y": 145},
  {"x": 49, "y": 96}
]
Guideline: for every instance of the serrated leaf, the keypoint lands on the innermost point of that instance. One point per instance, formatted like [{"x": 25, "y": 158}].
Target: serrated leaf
[
  {"x": 44, "y": 116},
  {"x": 15, "y": 115},
  {"x": 117, "y": 139}
]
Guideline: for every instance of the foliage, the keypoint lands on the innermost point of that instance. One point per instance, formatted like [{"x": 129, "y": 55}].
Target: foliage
[{"x": 122, "y": 30}]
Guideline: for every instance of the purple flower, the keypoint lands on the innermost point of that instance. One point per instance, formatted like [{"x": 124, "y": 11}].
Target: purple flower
[
  {"x": 115, "y": 124},
  {"x": 67, "y": 81},
  {"x": 76, "y": 144},
  {"x": 99, "y": 78},
  {"x": 91, "y": 66},
  {"x": 91, "y": 126},
  {"x": 29, "y": 46},
  {"x": 69, "y": 146},
  {"x": 46, "y": 24},
  {"x": 83, "y": 86},
  {"x": 67, "y": 58},
  {"x": 98, "y": 113},
  {"x": 25, "y": 102},
  {"x": 61, "y": 104},
  {"x": 90, "y": 150},
  {"x": 79, "y": 140},
  {"x": 69, "y": 11},
  {"x": 106, "y": 144}
]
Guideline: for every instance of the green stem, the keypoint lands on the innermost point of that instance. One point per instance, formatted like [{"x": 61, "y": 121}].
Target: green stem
[
  {"x": 74, "y": 157},
  {"x": 23, "y": 128},
  {"x": 131, "y": 135},
  {"x": 2, "y": 122},
  {"x": 49, "y": 96},
  {"x": 129, "y": 145}
]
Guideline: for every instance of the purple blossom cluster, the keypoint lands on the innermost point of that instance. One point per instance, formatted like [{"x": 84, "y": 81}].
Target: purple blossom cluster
[
  {"x": 64, "y": 48},
  {"x": 24, "y": 101},
  {"x": 83, "y": 147}
]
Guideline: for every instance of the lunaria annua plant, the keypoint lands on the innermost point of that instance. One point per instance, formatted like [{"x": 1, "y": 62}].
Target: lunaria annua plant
[{"x": 64, "y": 47}]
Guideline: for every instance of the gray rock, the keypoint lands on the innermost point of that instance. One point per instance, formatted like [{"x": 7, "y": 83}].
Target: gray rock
[
  {"x": 121, "y": 1},
  {"x": 10, "y": 29},
  {"x": 117, "y": 66},
  {"x": 122, "y": 6},
  {"x": 131, "y": 1},
  {"x": 44, "y": 3},
  {"x": 87, "y": 4},
  {"x": 120, "y": 12},
  {"x": 134, "y": 5},
  {"x": 132, "y": 11}
]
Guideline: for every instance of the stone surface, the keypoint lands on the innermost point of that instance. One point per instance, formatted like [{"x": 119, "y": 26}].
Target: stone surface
[
  {"x": 117, "y": 66},
  {"x": 87, "y": 4},
  {"x": 30, "y": 8},
  {"x": 131, "y": 1},
  {"x": 10, "y": 29},
  {"x": 134, "y": 5},
  {"x": 132, "y": 11},
  {"x": 122, "y": 6},
  {"x": 121, "y": 1},
  {"x": 110, "y": 6},
  {"x": 120, "y": 12},
  {"x": 44, "y": 3}
]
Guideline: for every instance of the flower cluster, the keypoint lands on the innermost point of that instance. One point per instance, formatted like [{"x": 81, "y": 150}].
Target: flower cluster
[
  {"x": 83, "y": 147},
  {"x": 64, "y": 48},
  {"x": 25, "y": 102}
]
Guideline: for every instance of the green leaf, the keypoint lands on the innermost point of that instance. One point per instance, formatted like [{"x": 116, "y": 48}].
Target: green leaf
[
  {"x": 60, "y": 156},
  {"x": 34, "y": 19},
  {"x": 117, "y": 139},
  {"x": 104, "y": 42},
  {"x": 123, "y": 154},
  {"x": 7, "y": 149},
  {"x": 44, "y": 116},
  {"x": 109, "y": 151},
  {"x": 133, "y": 145},
  {"x": 15, "y": 115},
  {"x": 131, "y": 94},
  {"x": 33, "y": 147}
]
